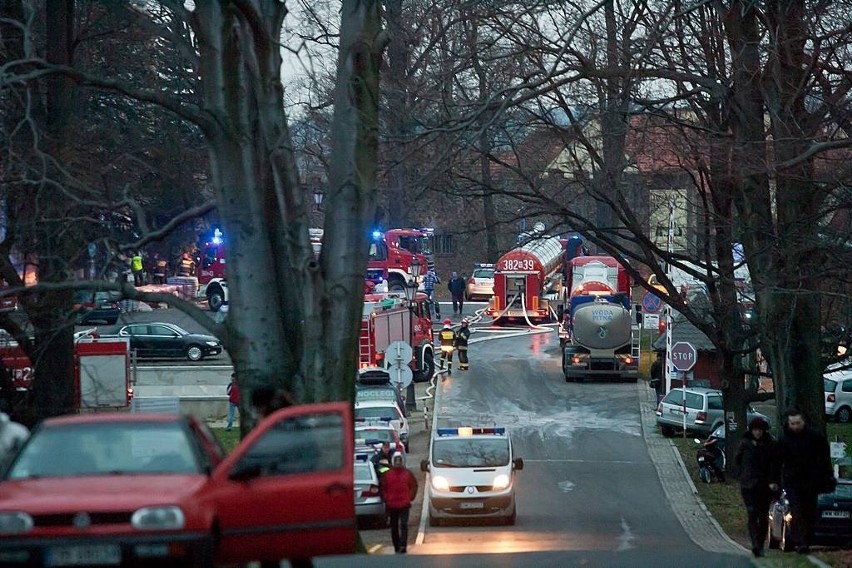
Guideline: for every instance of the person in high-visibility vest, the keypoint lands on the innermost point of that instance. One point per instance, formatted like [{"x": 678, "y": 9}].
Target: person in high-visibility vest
[
  {"x": 448, "y": 341},
  {"x": 137, "y": 266},
  {"x": 462, "y": 337}
]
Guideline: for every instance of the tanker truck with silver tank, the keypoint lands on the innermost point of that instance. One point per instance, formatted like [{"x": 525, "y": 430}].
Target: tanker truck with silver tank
[
  {"x": 601, "y": 340},
  {"x": 526, "y": 277}
]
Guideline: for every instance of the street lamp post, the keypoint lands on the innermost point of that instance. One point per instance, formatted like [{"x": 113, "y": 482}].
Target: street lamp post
[{"x": 411, "y": 295}]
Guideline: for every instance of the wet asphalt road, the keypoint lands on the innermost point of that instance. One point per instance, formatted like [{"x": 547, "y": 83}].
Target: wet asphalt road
[{"x": 589, "y": 494}]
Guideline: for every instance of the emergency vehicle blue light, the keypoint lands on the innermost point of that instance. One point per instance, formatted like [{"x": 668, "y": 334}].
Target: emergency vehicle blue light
[
  {"x": 467, "y": 431},
  {"x": 217, "y": 237},
  {"x": 377, "y": 235},
  {"x": 374, "y": 420}
]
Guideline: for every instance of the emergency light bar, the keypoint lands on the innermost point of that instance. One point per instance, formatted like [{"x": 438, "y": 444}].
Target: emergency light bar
[
  {"x": 377, "y": 420},
  {"x": 468, "y": 431},
  {"x": 364, "y": 442}
]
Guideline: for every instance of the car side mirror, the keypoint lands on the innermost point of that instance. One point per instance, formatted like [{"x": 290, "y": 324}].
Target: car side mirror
[
  {"x": 424, "y": 465},
  {"x": 244, "y": 472},
  {"x": 519, "y": 463}
]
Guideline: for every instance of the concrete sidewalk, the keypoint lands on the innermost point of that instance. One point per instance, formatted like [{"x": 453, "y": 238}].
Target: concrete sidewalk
[{"x": 680, "y": 491}]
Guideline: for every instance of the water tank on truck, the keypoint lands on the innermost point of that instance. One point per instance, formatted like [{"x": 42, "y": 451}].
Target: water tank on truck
[
  {"x": 602, "y": 325},
  {"x": 523, "y": 276}
]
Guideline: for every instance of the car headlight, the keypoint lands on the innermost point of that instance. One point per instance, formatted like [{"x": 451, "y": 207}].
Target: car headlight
[
  {"x": 158, "y": 518},
  {"x": 212, "y": 343},
  {"x": 15, "y": 522},
  {"x": 440, "y": 483},
  {"x": 500, "y": 482}
]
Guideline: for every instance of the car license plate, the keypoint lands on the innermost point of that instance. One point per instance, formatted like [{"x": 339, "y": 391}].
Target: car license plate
[
  {"x": 471, "y": 505},
  {"x": 835, "y": 514},
  {"x": 677, "y": 411},
  {"x": 89, "y": 555}
]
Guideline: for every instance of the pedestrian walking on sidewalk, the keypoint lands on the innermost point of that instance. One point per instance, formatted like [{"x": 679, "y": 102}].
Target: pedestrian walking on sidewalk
[
  {"x": 802, "y": 466},
  {"x": 399, "y": 488},
  {"x": 754, "y": 462}
]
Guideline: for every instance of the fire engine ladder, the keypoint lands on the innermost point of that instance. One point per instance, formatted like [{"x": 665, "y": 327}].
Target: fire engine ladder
[
  {"x": 364, "y": 345},
  {"x": 636, "y": 342}
]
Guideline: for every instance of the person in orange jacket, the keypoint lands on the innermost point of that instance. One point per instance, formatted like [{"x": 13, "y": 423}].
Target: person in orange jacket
[{"x": 399, "y": 488}]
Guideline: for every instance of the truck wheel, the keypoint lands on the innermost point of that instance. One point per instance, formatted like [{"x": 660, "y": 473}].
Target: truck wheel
[
  {"x": 396, "y": 285},
  {"x": 428, "y": 368},
  {"x": 215, "y": 299},
  {"x": 194, "y": 353}
]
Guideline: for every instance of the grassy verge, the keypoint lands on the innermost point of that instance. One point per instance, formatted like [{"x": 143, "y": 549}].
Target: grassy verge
[
  {"x": 228, "y": 439},
  {"x": 725, "y": 504}
]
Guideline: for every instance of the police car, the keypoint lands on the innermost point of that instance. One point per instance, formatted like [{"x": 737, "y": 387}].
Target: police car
[
  {"x": 367, "y": 411},
  {"x": 472, "y": 474}
]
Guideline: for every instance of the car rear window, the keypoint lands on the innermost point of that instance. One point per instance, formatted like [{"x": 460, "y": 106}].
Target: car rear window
[
  {"x": 483, "y": 273},
  {"x": 674, "y": 397},
  {"x": 829, "y": 385},
  {"x": 364, "y": 472},
  {"x": 386, "y": 412}
]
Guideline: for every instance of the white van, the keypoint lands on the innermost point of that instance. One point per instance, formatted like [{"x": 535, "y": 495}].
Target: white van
[{"x": 471, "y": 475}]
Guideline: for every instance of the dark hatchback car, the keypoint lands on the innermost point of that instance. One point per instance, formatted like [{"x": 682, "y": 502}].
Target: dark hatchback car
[
  {"x": 97, "y": 306},
  {"x": 833, "y": 524},
  {"x": 157, "y": 340}
]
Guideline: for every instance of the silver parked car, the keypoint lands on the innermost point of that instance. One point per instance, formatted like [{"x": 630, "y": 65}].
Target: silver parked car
[
  {"x": 838, "y": 394},
  {"x": 703, "y": 410},
  {"x": 369, "y": 505},
  {"x": 480, "y": 285}
]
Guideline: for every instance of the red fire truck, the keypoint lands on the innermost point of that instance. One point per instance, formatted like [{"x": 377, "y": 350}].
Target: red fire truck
[
  {"x": 393, "y": 251},
  {"x": 102, "y": 371},
  {"x": 389, "y": 259},
  {"x": 386, "y": 319},
  {"x": 524, "y": 276}
]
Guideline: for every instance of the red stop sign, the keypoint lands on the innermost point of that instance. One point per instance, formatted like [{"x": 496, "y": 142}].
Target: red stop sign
[{"x": 684, "y": 356}]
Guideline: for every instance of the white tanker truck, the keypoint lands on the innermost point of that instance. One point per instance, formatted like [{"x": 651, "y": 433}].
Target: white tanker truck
[{"x": 599, "y": 338}]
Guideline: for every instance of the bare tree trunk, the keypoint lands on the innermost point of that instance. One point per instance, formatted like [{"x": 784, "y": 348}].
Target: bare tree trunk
[{"x": 53, "y": 355}]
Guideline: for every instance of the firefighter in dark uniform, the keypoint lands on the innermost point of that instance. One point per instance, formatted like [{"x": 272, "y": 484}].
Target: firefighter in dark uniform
[
  {"x": 462, "y": 337},
  {"x": 448, "y": 341}
]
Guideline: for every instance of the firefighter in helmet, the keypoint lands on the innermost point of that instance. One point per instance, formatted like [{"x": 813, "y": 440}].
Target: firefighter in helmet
[
  {"x": 448, "y": 341},
  {"x": 462, "y": 337}
]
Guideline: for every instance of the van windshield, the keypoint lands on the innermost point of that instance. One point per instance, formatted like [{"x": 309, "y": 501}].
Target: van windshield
[{"x": 470, "y": 452}]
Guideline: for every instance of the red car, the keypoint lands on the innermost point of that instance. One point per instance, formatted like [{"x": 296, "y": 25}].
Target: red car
[{"x": 125, "y": 488}]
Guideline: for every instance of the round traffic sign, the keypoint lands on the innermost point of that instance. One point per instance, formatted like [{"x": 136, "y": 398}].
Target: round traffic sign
[
  {"x": 684, "y": 356},
  {"x": 651, "y": 303},
  {"x": 397, "y": 357}
]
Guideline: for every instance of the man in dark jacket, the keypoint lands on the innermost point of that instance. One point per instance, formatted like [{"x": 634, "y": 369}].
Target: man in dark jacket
[
  {"x": 457, "y": 286},
  {"x": 754, "y": 461},
  {"x": 802, "y": 459}
]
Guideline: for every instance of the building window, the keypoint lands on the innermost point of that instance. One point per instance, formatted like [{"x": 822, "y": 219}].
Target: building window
[{"x": 444, "y": 244}]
